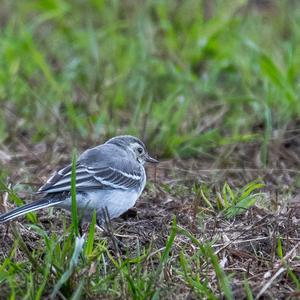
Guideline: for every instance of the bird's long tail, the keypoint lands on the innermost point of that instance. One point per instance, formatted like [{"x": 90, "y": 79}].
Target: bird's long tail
[{"x": 30, "y": 207}]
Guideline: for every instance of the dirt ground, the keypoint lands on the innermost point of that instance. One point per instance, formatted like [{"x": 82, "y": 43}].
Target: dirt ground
[{"x": 246, "y": 245}]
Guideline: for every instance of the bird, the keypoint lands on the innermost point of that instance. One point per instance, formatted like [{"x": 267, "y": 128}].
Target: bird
[{"x": 109, "y": 178}]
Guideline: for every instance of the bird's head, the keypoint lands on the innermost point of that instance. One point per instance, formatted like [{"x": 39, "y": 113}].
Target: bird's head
[{"x": 134, "y": 147}]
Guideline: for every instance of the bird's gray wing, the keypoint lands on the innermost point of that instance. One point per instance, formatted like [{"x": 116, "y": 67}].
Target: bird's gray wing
[{"x": 117, "y": 174}]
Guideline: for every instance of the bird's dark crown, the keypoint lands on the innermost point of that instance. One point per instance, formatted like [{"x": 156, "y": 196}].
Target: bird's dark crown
[{"x": 125, "y": 141}]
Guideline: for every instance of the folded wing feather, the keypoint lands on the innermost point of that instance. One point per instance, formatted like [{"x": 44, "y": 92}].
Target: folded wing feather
[{"x": 104, "y": 177}]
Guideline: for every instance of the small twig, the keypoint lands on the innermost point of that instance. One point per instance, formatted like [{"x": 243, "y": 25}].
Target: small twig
[
  {"x": 5, "y": 198},
  {"x": 5, "y": 201},
  {"x": 156, "y": 251},
  {"x": 126, "y": 235},
  {"x": 268, "y": 284},
  {"x": 243, "y": 241},
  {"x": 280, "y": 270}
]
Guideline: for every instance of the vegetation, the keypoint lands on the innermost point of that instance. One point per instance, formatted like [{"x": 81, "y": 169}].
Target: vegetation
[{"x": 212, "y": 88}]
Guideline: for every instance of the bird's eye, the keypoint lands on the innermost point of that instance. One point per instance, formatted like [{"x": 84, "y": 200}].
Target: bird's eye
[{"x": 140, "y": 150}]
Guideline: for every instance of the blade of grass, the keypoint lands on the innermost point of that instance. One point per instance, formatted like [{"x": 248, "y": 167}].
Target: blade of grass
[
  {"x": 248, "y": 290},
  {"x": 294, "y": 277},
  {"x": 73, "y": 196},
  {"x": 90, "y": 241},
  {"x": 279, "y": 248},
  {"x": 223, "y": 280},
  {"x": 163, "y": 260}
]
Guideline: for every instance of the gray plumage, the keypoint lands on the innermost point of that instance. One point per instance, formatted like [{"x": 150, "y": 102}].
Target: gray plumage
[{"x": 110, "y": 176}]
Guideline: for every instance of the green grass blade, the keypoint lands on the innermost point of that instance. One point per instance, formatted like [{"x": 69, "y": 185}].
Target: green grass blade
[
  {"x": 169, "y": 243},
  {"x": 294, "y": 277},
  {"x": 248, "y": 291},
  {"x": 73, "y": 196},
  {"x": 221, "y": 276},
  {"x": 279, "y": 248},
  {"x": 163, "y": 260},
  {"x": 90, "y": 241}
]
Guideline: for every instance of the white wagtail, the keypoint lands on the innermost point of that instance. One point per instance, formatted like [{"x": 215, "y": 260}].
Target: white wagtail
[{"x": 109, "y": 177}]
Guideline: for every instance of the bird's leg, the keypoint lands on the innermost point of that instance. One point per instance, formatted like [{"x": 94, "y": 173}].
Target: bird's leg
[
  {"x": 108, "y": 229},
  {"x": 83, "y": 227},
  {"x": 99, "y": 225}
]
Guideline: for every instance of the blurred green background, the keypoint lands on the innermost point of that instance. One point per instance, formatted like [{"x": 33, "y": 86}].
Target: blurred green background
[{"x": 185, "y": 76}]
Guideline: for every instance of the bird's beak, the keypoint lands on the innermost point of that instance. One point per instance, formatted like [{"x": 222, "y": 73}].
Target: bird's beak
[{"x": 148, "y": 158}]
